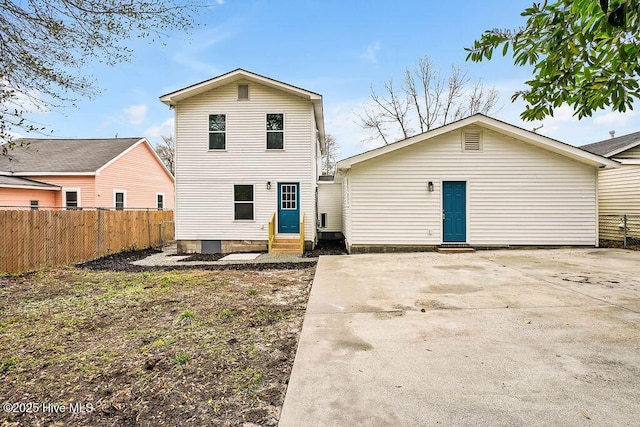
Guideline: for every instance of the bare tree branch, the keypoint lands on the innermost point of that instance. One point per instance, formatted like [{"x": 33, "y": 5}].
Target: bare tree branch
[
  {"x": 166, "y": 152},
  {"x": 426, "y": 97},
  {"x": 330, "y": 158},
  {"x": 45, "y": 46}
]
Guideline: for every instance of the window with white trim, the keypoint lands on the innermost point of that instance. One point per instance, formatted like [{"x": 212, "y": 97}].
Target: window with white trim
[
  {"x": 217, "y": 131},
  {"x": 160, "y": 201},
  {"x": 34, "y": 204},
  {"x": 119, "y": 200},
  {"x": 275, "y": 131},
  {"x": 243, "y": 202},
  {"x": 71, "y": 199}
]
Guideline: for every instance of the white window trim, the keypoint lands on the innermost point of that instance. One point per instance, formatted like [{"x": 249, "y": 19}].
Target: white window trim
[
  {"x": 164, "y": 200},
  {"x": 233, "y": 202},
  {"x": 209, "y": 132},
  {"x": 124, "y": 198},
  {"x": 284, "y": 137},
  {"x": 248, "y": 98},
  {"x": 66, "y": 190}
]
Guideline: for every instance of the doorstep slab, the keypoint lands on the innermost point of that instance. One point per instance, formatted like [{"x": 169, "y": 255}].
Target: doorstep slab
[{"x": 240, "y": 257}]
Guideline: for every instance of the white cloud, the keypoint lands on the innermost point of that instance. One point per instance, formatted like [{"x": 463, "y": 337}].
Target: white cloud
[
  {"x": 163, "y": 129},
  {"x": 370, "y": 54},
  {"x": 191, "y": 55},
  {"x": 136, "y": 114},
  {"x": 614, "y": 119}
]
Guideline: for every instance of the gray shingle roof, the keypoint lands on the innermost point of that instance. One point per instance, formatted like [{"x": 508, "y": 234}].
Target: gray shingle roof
[
  {"x": 63, "y": 155},
  {"x": 14, "y": 181},
  {"x": 612, "y": 145}
]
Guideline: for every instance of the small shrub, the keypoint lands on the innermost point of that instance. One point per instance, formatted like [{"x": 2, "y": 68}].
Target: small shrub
[
  {"x": 181, "y": 358},
  {"x": 226, "y": 313},
  {"x": 185, "y": 317}
]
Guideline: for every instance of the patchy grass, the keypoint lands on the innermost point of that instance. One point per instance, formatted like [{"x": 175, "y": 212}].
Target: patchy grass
[{"x": 187, "y": 347}]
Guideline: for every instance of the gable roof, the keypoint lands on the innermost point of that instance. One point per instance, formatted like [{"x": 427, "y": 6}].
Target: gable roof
[
  {"x": 172, "y": 98},
  {"x": 612, "y": 146},
  {"x": 33, "y": 156},
  {"x": 487, "y": 123},
  {"x": 17, "y": 182}
]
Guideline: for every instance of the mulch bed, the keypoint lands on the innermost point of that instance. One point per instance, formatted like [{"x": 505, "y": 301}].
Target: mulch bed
[{"x": 122, "y": 261}]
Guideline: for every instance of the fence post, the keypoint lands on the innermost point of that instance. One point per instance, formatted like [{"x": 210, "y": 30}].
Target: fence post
[
  {"x": 160, "y": 236},
  {"x": 149, "y": 226},
  {"x": 624, "y": 222},
  {"x": 98, "y": 255}
]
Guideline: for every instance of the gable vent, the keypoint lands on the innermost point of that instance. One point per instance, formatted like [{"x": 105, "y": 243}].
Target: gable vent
[
  {"x": 472, "y": 141},
  {"x": 243, "y": 92}
]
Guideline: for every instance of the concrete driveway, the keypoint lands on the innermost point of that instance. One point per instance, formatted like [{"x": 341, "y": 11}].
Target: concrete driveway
[{"x": 516, "y": 337}]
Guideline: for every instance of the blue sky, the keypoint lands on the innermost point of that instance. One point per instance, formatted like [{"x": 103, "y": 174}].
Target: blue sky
[{"x": 336, "y": 48}]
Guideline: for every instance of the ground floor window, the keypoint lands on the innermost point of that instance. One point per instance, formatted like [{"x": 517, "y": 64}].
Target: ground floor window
[
  {"x": 160, "y": 201},
  {"x": 34, "y": 205},
  {"x": 243, "y": 202},
  {"x": 71, "y": 199}
]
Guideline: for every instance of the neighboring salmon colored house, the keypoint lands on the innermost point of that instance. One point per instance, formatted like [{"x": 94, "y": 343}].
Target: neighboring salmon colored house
[{"x": 117, "y": 173}]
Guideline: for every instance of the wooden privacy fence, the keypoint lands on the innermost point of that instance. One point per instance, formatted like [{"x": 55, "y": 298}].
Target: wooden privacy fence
[{"x": 31, "y": 239}]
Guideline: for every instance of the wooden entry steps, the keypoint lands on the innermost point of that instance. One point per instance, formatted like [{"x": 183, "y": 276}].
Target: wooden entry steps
[
  {"x": 454, "y": 249},
  {"x": 289, "y": 244}
]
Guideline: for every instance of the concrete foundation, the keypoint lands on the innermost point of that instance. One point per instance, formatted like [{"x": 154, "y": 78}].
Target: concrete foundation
[
  {"x": 230, "y": 246},
  {"x": 374, "y": 249}
]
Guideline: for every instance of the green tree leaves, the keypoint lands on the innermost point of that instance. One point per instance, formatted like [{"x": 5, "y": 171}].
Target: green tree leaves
[{"x": 584, "y": 53}]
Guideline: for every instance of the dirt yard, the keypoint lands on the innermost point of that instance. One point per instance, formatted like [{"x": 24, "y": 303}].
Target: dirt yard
[{"x": 163, "y": 348}]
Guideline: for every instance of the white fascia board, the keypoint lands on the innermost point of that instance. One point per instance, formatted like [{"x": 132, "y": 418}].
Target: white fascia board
[
  {"x": 488, "y": 123},
  {"x": 50, "y": 174},
  {"x": 628, "y": 161},
  {"x": 110, "y": 162},
  {"x": 623, "y": 149},
  {"x": 30, "y": 187},
  {"x": 173, "y": 97}
]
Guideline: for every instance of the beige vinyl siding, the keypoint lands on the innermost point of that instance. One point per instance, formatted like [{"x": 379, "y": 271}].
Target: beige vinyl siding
[
  {"x": 517, "y": 194},
  {"x": 347, "y": 218},
  {"x": 330, "y": 203},
  {"x": 633, "y": 153},
  {"x": 619, "y": 190},
  {"x": 205, "y": 179}
]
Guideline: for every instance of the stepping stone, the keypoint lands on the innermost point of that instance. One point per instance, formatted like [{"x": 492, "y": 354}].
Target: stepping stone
[{"x": 240, "y": 257}]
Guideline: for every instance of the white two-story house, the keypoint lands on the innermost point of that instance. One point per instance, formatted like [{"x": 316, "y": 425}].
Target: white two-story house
[{"x": 247, "y": 159}]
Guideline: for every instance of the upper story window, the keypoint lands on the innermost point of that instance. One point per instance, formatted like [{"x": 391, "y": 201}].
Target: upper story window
[
  {"x": 275, "y": 131},
  {"x": 217, "y": 132},
  {"x": 243, "y": 92}
]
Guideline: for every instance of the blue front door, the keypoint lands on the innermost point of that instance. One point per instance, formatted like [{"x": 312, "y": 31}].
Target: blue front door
[
  {"x": 454, "y": 211},
  {"x": 288, "y": 207}
]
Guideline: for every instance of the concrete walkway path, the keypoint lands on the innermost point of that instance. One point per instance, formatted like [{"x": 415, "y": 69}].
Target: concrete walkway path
[
  {"x": 168, "y": 258},
  {"x": 547, "y": 337}
]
